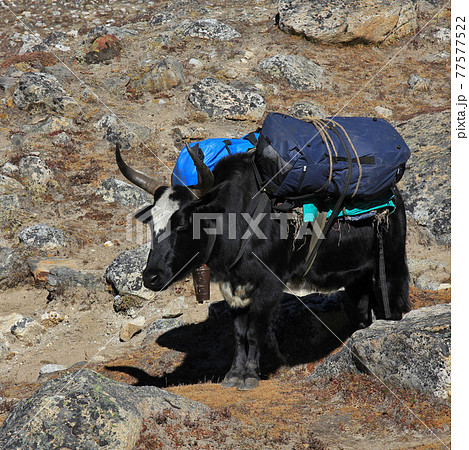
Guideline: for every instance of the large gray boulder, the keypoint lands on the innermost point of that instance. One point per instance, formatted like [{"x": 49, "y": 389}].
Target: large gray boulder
[
  {"x": 342, "y": 21},
  {"x": 89, "y": 411},
  {"x": 426, "y": 184},
  {"x": 413, "y": 353},
  {"x": 114, "y": 190},
  {"x": 299, "y": 72},
  {"x": 42, "y": 90},
  {"x": 220, "y": 100},
  {"x": 125, "y": 272},
  {"x": 62, "y": 276},
  {"x": 42, "y": 237},
  {"x": 161, "y": 75},
  {"x": 12, "y": 193},
  {"x": 209, "y": 29},
  {"x": 13, "y": 267},
  {"x": 127, "y": 134}
]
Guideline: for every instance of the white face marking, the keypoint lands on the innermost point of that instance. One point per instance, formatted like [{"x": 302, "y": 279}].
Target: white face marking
[{"x": 162, "y": 211}]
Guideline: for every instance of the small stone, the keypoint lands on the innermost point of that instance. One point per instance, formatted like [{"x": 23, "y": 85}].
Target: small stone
[
  {"x": 108, "y": 120},
  {"x": 182, "y": 134},
  {"x": 106, "y": 30},
  {"x": 385, "y": 113},
  {"x": 4, "y": 347},
  {"x": 6, "y": 322},
  {"x": 131, "y": 329},
  {"x": 41, "y": 267},
  {"x": 118, "y": 83},
  {"x": 34, "y": 170},
  {"x": 51, "y": 318},
  {"x": 7, "y": 82},
  {"x": 442, "y": 35},
  {"x": 17, "y": 139},
  {"x": 307, "y": 111},
  {"x": 51, "y": 124},
  {"x": 161, "y": 326},
  {"x": 231, "y": 73},
  {"x": 9, "y": 168},
  {"x": 195, "y": 62},
  {"x": 27, "y": 329},
  {"x": 432, "y": 280},
  {"x": 31, "y": 43},
  {"x": 418, "y": 84},
  {"x": 51, "y": 368},
  {"x": 62, "y": 140},
  {"x": 103, "y": 49},
  {"x": 161, "y": 18},
  {"x": 9, "y": 203},
  {"x": 175, "y": 308},
  {"x": 127, "y": 303},
  {"x": 10, "y": 185},
  {"x": 249, "y": 55}
]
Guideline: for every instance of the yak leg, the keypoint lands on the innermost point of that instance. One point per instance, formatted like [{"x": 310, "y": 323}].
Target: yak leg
[
  {"x": 235, "y": 374},
  {"x": 359, "y": 301},
  {"x": 249, "y": 330},
  {"x": 252, "y": 325},
  {"x": 262, "y": 313}
]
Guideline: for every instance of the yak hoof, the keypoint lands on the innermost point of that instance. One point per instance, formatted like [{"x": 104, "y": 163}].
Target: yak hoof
[
  {"x": 248, "y": 384},
  {"x": 230, "y": 382}
]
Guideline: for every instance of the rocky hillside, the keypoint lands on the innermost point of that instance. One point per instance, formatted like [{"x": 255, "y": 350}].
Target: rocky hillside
[{"x": 78, "y": 76}]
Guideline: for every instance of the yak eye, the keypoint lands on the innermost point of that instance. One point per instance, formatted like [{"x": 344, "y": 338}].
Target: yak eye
[
  {"x": 182, "y": 226},
  {"x": 183, "y": 223}
]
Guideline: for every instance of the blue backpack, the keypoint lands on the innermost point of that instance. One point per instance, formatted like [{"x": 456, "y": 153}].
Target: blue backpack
[
  {"x": 347, "y": 157},
  {"x": 210, "y": 151}
]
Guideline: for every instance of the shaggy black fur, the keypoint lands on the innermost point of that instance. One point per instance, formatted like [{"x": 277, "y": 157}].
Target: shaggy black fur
[{"x": 348, "y": 258}]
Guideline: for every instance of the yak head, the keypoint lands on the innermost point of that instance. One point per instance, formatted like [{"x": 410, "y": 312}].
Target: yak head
[{"x": 176, "y": 247}]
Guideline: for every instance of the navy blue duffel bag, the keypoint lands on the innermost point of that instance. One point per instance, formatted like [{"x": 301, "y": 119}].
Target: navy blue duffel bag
[{"x": 348, "y": 157}]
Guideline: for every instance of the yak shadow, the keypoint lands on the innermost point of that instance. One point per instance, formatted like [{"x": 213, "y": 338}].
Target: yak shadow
[{"x": 306, "y": 330}]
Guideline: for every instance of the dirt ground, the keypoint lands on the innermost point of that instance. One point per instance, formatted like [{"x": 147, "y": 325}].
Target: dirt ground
[{"x": 357, "y": 79}]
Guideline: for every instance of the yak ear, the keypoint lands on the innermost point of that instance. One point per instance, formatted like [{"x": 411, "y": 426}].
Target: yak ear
[
  {"x": 204, "y": 175},
  {"x": 218, "y": 199}
]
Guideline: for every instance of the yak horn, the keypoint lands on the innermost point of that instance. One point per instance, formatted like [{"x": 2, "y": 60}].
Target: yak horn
[
  {"x": 204, "y": 175},
  {"x": 139, "y": 179}
]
